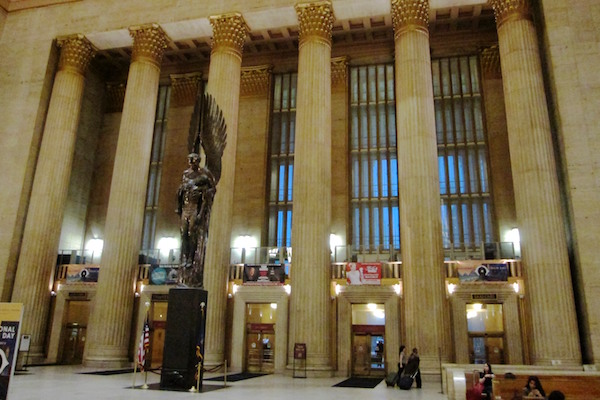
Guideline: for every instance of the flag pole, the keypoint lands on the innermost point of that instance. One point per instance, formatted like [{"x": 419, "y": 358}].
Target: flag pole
[
  {"x": 134, "y": 370},
  {"x": 146, "y": 345}
]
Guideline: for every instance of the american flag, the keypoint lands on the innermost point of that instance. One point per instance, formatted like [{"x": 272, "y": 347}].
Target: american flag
[{"x": 144, "y": 345}]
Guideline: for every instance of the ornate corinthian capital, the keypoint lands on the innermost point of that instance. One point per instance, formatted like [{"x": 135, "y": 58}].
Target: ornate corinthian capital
[
  {"x": 255, "y": 80},
  {"x": 184, "y": 88},
  {"x": 76, "y": 53},
  {"x": 149, "y": 43},
  {"x": 229, "y": 33},
  {"x": 410, "y": 15},
  {"x": 506, "y": 10},
  {"x": 339, "y": 70},
  {"x": 490, "y": 61},
  {"x": 316, "y": 21}
]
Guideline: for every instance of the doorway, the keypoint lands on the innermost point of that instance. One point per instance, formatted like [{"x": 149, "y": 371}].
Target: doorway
[
  {"x": 485, "y": 323},
  {"x": 260, "y": 337},
  {"x": 74, "y": 333},
  {"x": 368, "y": 340}
]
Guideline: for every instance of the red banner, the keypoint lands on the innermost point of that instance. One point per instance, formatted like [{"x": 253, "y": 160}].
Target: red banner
[{"x": 363, "y": 273}]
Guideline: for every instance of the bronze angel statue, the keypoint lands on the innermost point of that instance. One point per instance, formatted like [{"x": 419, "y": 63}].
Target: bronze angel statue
[{"x": 198, "y": 187}]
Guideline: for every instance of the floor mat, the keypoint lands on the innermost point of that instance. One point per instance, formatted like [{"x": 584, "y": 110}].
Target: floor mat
[
  {"x": 355, "y": 382},
  {"x": 236, "y": 377},
  {"x": 110, "y": 372},
  {"x": 156, "y": 386}
]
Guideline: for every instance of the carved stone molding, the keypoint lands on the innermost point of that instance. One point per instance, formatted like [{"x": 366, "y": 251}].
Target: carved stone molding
[
  {"x": 115, "y": 96},
  {"x": 229, "y": 33},
  {"x": 255, "y": 80},
  {"x": 316, "y": 21},
  {"x": 506, "y": 10},
  {"x": 339, "y": 70},
  {"x": 410, "y": 15},
  {"x": 76, "y": 53},
  {"x": 490, "y": 61},
  {"x": 184, "y": 88},
  {"x": 149, "y": 43}
]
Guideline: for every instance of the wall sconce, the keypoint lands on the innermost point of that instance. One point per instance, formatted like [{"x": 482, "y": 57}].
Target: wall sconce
[
  {"x": 234, "y": 288},
  {"x": 451, "y": 288},
  {"x": 287, "y": 288},
  {"x": 398, "y": 289},
  {"x": 338, "y": 289}
]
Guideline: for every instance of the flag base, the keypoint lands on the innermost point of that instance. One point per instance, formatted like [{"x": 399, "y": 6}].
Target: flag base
[{"x": 184, "y": 339}]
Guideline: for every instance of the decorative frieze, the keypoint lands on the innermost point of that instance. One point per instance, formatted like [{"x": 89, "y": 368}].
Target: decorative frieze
[
  {"x": 149, "y": 43},
  {"x": 229, "y": 33},
  {"x": 339, "y": 70},
  {"x": 505, "y": 10},
  {"x": 490, "y": 61},
  {"x": 184, "y": 88},
  {"x": 76, "y": 53},
  {"x": 115, "y": 96},
  {"x": 316, "y": 21},
  {"x": 410, "y": 15},
  {"x": 255, "y": 80}
]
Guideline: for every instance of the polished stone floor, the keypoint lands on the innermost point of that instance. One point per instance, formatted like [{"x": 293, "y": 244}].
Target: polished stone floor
[{"x": 65, "y": 382}]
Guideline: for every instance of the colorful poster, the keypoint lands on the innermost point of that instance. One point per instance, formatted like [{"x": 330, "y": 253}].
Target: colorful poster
[
  {"x": 163, "y": 275},
  {"x": 476, "y": 271},
  {"x": 264, "y": 274},
  {"x": 86, "y": 273},
  {"x": 10, "y": 319},
  {"x": 363, "y": 273}
]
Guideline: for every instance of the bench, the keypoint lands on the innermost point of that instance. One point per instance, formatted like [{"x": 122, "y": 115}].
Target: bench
[{"x": 579, "y": 386}]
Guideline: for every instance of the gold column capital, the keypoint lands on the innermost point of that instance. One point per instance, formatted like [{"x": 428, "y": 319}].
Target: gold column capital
[
  {"x": 255, "y": 80},
  {"x": 506, "y": 10},
  {"x": 115, "y": 96},
  {"x": 339, "y": 70},
  {"x": 149, "y": 43},
  {"x": 316, "y": 21},
  {"x": 184, "y": 88},
  {"x": 76, "y": 53},
  {"x": 410, "y": 15},
  {"x": 490, "y": 61},
  {"x": 229, "y": 33}
]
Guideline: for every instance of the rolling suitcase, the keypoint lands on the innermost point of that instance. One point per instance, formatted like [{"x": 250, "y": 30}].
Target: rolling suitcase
[
  {"x": 405, "y": 382},
  {"x": 391, "y": 378}
]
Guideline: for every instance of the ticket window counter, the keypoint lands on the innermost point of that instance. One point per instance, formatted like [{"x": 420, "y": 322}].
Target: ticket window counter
[
  {"x": 260, "y": 337},
  {"x": 74, "y": 332},
  {"x": 485, "y": 325},
  {"x": 368, "y": 340}
]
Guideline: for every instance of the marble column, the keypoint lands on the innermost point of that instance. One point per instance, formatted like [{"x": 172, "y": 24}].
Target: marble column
[
  {"x": 37, "y": 260},
  {"x": 110, "y": 319},
  {"x": 497, "y": 137},
  {"x": 425, "y": 315},
  {"x": 549, "y": 290},
  {"x": 229, "y": 33},
  {"x": 310, "y": 297}
]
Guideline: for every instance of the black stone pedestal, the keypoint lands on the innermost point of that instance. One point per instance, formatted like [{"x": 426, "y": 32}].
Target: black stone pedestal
[{"x": 184, "y": 338}]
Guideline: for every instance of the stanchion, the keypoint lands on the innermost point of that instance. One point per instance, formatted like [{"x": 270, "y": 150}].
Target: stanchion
[
  {"x": 145, "y": 385},
  {"x": 134, "y": 373}
]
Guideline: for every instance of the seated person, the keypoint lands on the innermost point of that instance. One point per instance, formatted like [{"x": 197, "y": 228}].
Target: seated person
[
  {"x": 534, "y": 389},
  {"x": 485, "y": 380}
]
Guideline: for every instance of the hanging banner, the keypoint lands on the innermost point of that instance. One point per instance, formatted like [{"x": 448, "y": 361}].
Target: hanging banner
[
  {"x": 86, "y": 273},
  {"x": 162, "y": 275},
  {"x": 11, "y": 315},
  {"x": 363, "y": 273},
  {"x": 264, "y": 274},
  {"x": 476, "y": 271}
]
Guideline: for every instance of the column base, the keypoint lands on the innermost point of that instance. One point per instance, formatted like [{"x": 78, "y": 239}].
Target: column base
[{"x": 107, "y": 363}]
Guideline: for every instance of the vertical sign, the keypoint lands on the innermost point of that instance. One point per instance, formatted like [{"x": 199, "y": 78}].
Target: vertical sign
[{"x": 10, "y": 321}]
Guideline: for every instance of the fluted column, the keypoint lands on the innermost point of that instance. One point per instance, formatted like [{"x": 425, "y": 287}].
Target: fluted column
[
  {"x": 310, "y": 302},
  {"x": 229, "y": 33},
  {"x": 110, "y": 320},
  {"x": 549, "y": 290},
  {"x": 41, "y": 236},
  {"x": 420, "y": 221}
]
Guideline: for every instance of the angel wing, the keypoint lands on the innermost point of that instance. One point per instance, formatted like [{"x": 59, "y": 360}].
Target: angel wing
[
  {"x": 208, "y": 129},
  {"x": 213, "y": 134}
]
